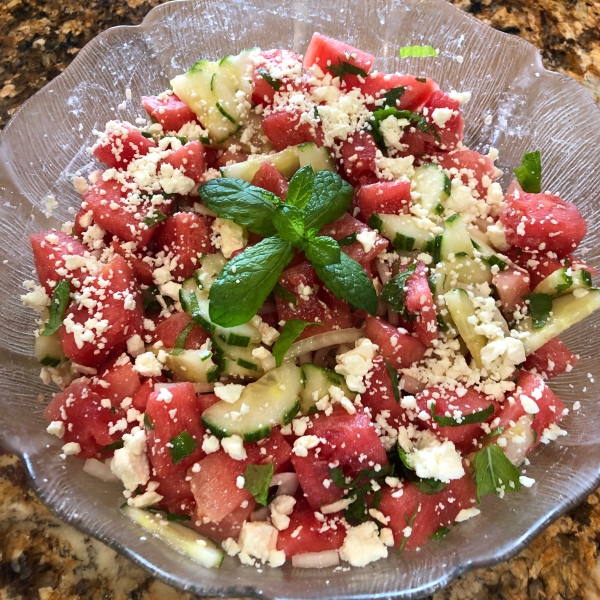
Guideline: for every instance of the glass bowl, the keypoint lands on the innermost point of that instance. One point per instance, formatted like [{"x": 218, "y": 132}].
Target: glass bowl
[{"x": 44, "y": 147}]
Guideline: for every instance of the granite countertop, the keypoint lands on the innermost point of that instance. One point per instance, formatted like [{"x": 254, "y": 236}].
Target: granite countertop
[{"x": 41, "y": 557}]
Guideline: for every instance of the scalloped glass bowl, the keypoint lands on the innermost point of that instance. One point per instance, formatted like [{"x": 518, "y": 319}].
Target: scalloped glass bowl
[{"x": 44, "y": 146}]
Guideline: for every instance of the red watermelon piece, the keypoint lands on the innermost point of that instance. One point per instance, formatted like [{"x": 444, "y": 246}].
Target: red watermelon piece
[
  {"x": 120, "y": 144},
  {"x": 552, "y": 359},
  {"x": 326, "y": 52},
  {"x": 168, "y": 110},
  {"x": 270, "y": 179},
  {"x": 384, "y": 197}
]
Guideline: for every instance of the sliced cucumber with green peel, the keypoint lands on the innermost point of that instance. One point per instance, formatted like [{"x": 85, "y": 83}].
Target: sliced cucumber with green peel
[
  {"x": 434, "y": 187},
  {"x": 272, "y": 400},
  {"x": 461, "y": 308},
  {"x": 566, "y": 311},
  {"x": 455, "y": 240},
  {"x": 317, "y": 382},
  {"x": 203, "y": 278},
  {"x": 286, "y": 162},
  {"x": 318, "y": 158},
  {"x": 48, "y": 350},
  {"x": 489, "y": 255},
  {"x": 403, "y": 231},
  {"x": 186, "y": 541},
  {"x": 196, "y": 366},
  {"x": 237, "y": 361},
  {"x": 564, "y": 281},
  {"x": 462, "y": 269}
]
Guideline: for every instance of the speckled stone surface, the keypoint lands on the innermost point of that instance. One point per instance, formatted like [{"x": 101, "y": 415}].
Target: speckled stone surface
[{"x": 41, "y": 558}]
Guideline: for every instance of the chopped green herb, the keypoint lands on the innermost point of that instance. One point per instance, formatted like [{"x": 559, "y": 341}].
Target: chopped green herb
[
  {"x": 284, "y": 294},
  {"x": 540, "y": 307},
  {"x": 345, "y": 68},
  {"x": 409, "y": 522},
  {"x": 394, "y": 377},
  {"x": 173, "y": 517},
  {"x": 147, "y": 134},
  {"x": 182, "y": 446},
  {"x": 394, "y": 291},
  {"x": 111, "y": 447},
  {"x": 181, "y": 339},
  {"x": 274, "y": 83},
  {"x": 408, "y": 51},
  {"x": 418, "y": 121},
  {"x": 428, "y": 486},
  {"x": 391, "y": 97},
  {"x": 494, "y": 472},
  {"x": 493, "y": 433},
  {"x": 440, "y": 533},
  {"x": 529, "y": 174},
  {"x": 477, "y": 417},
  {"x": 289, "y": 334},
  {"x": 147, "y": 422},
  {"x": 58, "y": 306},
  {"x": 157, "y": 217},
  {"x": 257, "y": 479},
  {"x": 348, "y": 240}
]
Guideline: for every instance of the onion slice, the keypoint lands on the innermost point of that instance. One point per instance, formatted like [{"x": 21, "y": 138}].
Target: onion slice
[
  {"x": 99, "y": 470},
  {"x": 316, "y": 560},
  {"x": 287, "y": 482},
  {"x": 324, "y": 340},
  {"x": 260, "y": 514}
]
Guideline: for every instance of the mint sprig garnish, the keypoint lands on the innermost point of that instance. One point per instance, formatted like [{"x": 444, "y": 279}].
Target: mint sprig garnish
[
  {"x": 289, "y": 334},
  {"x": 529, "y": 174},
  {"x": 494, "y": 473},
  {"x": 313, "y": 200},
  {"x": 58, "y": 306}
]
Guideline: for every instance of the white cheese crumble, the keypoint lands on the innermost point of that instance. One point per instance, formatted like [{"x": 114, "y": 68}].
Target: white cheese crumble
[
  {"x": 363, "y": 545},
  {"x": 147, "y": 365},
  {"x": 467, "y": 513},
  {"x": 234, "y": 446},
  {"x": 438, "y": 461},
  {"x": 356, "y": 363},
  {"x": 130, "y": 463},
  {"x": 367, "y": 240},
  {"x": 229, "y": 393}
]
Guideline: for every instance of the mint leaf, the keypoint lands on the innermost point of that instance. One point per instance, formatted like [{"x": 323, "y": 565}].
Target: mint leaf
[
  {"x": 529, "y": 174},
  {"x": 348, "y": 280},
  {"x": 540, "y": 307},
  {"x": 114, "y": 446},
  {"x": 348, "y": 240},
  {"x": 322, "y": 250},
  {"x": 391, "y": 97},
  {"x": 418, "y": 121},
  {"x": 289, "y": 222},
  {"x": 408, "y": 51},
  {"x": 257, "y": 480},
  {"x": 440, "y": 533},
  {"x": 289, "y": 334},
  {"x": 330, "y": 199},
  {"x": 337, "y": 476},
  {"x": 284, "y": 294},
  {"x": 494, "y": 472},
  {"x": 274, "y": 83},
  {"x": 58, "y": 306},
  {"x": 493, "y": 433},
  {"x": 409, "y": 522},
  {"x": 157, "y": 217},
  {"x": 182, "y": 445},
  {"x": 394, "y": 377},
  {"x": 345, "y": 68},
  {"x": 394, "y": 291},
  {"x": 181, "y": 339},
  {"x": 147, "y": 422},
  {"x": 243, "y": 203},
  {"x": 246, "y": 281},
  {"x": 481, "y": 416},
  {"x": 300, "y": 187}
]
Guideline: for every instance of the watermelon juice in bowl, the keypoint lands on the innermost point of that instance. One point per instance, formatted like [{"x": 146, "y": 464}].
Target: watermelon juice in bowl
[{"x": 299, "y": 319}]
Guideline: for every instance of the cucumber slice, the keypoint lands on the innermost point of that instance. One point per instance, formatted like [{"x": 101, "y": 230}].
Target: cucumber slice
[
  {"x": 403, "y": 231},
  {"x": 48, "y": 350},
  {"x": 433, "y": 185},
  {"x": 455, "y": 239},
  {"x": 237, "y": 361},
  {"x": 566, "y": 311},
  {"x": 564, "y": 281},
  {"x": 519, "y": 438},
  {"x": 317, "y": 382},
  {"x": 286, "y": 162},
  {"x": 196, "y": 366},
  {"x": 270, "y": 401},
  {"x": 186, "y": 541},
  {"x": 461, "y": 308},
  {"x": 462, "y": 269},
  {"x": 318, "y": 158}
]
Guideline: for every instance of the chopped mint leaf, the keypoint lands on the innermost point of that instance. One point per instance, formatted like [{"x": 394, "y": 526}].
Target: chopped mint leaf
[
  {"x": 348, "y": 240},
  {"x": 322, "y": 251},
  {"x": 147, "y": 134},
  {"x": 241, "y": 202},
  {"x": 173, "y": 517},
  {"x": 494, "y": 472},
  {"x": 409, "y": 51},
  {"x": 300, "y": 187},
  {"x": 147, "y": 422},
  {"x": 540, "y": 307},
  {"x": 394, "y": 291},
  {"x": 257, "y": 479},
  {"x": 289, "y": 334},
  {"x": 48, "y": 361},
  {"x": 181, "y": 339},
  {"x": 394, "y": 377},
  {"x": 481, "y": 416},
  {"x": 58, "y": 306},
  {"x": 493, "y": 433},
  {"x": 289, "y": 222},
  {"x": 409, "y": 522},
  {"x": 111, "y": 447},
  {"x": 390, "y": 98},
  {"x": 529, "y": 174},
  {"x": 182, "y": 445},
  {"x": 337, "y": 476},
  {"x": 157, "y": 217},
  {"x": 567, "y": 282},
  {"x": 428, "y": 486},
  {"x": 330, "y": 199},
  {"x": 421, "y": 79},
  {"x": 274, "y": 83},
  {"x": 246, "y": 281},
  {"x": 345, "y": 68},
  {"x": 495, "y": 260},
  {"x": 440, "y": 533},
  {"x": 418, "y": 121},
  {"x": 284, "y": 294}
]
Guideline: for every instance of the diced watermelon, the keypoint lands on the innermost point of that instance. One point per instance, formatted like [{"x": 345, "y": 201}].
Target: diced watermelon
[
  {"x": 187, "y": 236},
  {"x": 552, "y": 359},
  {"x": 512, "y": 284},
  {"x": 397, "y": 346},
  {"x": 270, "y": 179},
  {"x": 116, "y": 381},
  {"x": 325, "y": 52},
  {"x": 277, "y": 63},
  {"x": 346, "y": 226},
  {"x": 108, "y": 202},
  {"x": 384, "y": 197},
  {"x": 190, "y": 160},
  {"x": 307, "y": 534},
  {"x": 169, "y": 111},
  {"x": 120, "y": 144},
  {"x": 49, "y": 248},
  {"x": 140, "y": 398},
  {"x": 141, "y": 269},
  {"x": 419, "y": 301},
  {"x": 168, "y": 329},
  {"x": 358, "y": 155},
  {"x": 432, "y": 511},
  {"x": 286, "y": 129},
  {"x": 319, "y": 307},
  {"x": 227, "y": 527},
  {"x": 205, "y": 401},
  {"x": 538, "y": 264},
  {"x": 177, "y": 494},
  {"x": 228, "y": 157},
  {"x": 315, "y": 481},
  {"x": 86, "y": 421},
  {"x": 447, "y": 403},
  {"x": 170, "y": 418},
  {"x": 543, "y": 222},
  {"x": 117, "y": 310},
  {"x": 469, "y": 165}
]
